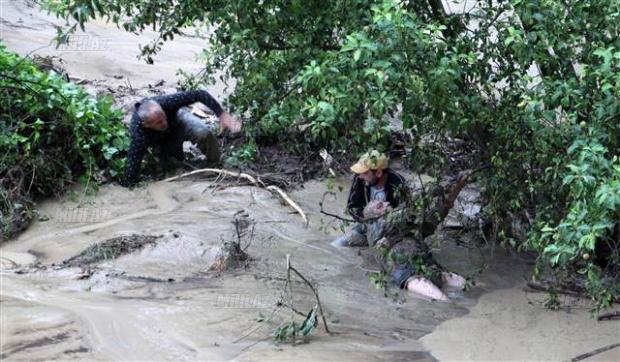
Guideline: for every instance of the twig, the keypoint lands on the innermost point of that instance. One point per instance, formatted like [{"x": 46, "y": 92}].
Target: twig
[
  {"x": 251, "y": 238},
  {"x": 595, "y": 352},
  {"x": 363, "y": 220},
  {"x": 289, "y": 268},
  {"x": 330, "y": 214},
  {"x": 336, "y": 216},
  {"x": 273, "y": 312},
  {"x": 281, "y": 303},
  {"x": 238, "y": 232},
  {"x": 288, "y": 279}
]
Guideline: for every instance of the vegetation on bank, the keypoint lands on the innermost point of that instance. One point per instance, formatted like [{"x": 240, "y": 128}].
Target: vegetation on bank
[
  {"x": 53, "y": 134},
  {"x": 531, "y": 87}
]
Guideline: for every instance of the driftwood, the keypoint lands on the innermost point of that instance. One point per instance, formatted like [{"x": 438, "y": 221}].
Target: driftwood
[
  {"x": 256, "y": 181},
  {"x": 220, "y": 172},
  {"x": 581, "y": 357},
  {"x": 561, "y": 290},
  {"x": 608, "y": 316},
  {"x": 545, "y": 288}
]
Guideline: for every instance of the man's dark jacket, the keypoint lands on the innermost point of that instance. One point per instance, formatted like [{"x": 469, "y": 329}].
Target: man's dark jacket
[{"x": 395, "y": 191}]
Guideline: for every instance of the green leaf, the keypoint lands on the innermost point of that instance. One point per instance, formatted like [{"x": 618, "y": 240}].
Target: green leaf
[
  {"x": 357, "y": 54},
  {"x": 310, "y": 323}
]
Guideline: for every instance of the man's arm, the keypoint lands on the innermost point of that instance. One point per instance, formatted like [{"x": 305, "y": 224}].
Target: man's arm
[
  {"x": 136, "y": 152},
  {"x": 356, "y": 200},
  {"x": 171, "y": 103}
]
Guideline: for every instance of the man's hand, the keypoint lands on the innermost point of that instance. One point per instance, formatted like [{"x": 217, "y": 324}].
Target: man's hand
[{"x": 228, "y": 122}]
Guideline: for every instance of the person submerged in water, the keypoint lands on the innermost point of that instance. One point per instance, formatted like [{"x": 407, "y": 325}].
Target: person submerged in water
[
  {"x": 164, "y": 122},
  {"x": 409, "y": 262}
]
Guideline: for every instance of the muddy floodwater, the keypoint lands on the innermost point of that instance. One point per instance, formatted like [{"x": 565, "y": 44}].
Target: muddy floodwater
[{"x": 162, "y": 302}]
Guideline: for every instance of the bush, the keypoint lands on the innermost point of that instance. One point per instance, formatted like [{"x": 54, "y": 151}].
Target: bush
[{"x": 53, "y": 134}]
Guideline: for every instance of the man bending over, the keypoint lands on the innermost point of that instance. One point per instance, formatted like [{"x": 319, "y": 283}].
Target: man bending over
[{"x": 163, "y": 122}]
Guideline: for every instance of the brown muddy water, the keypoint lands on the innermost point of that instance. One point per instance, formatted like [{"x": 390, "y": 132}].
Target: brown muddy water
[{"x": 163, "y": 303}]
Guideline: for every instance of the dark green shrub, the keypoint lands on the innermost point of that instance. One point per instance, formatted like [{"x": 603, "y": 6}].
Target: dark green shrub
[{"x": 52, "y": 135}]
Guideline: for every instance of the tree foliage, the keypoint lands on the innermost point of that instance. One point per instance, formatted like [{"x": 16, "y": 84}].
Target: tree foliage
[{"x": 534, "y": 85}]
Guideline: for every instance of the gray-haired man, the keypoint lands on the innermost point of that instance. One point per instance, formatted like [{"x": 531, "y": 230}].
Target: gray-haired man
[{"x": 162, "y": 121}]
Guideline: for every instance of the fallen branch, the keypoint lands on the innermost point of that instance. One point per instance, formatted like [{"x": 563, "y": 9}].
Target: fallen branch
[
  {"x": 443, "y": 202},
  {"x": 595, "y": 352},
  {"x": 543, "y": 288},
  {"x": 292, "y": 203},
  {"x": 432, "y": 215},
  {"x": 219, "y": 172},
  {"x": 608, "y": 316},
  {"x": 561, "y": 290},
  {"x": 254, "y": 181}
]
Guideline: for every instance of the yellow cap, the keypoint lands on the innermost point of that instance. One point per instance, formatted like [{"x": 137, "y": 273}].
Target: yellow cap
[{"x": 372, "y": 160}]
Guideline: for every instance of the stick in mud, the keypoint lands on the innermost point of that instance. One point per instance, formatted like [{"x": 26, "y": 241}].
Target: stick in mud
[
  {"x": 281, "y": 305},
  {"x": 581, "y": 357},
  {"x": 289, "y": 268},
  {"x": 543, "y": 288},
  {"x": 608, "y": 316}
]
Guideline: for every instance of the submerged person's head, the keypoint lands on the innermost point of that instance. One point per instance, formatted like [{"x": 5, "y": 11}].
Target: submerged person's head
[
  {"x": 371, "y": 167},
  {"x": 152, "y": 115},
  {"x": 376, "y": 209}
]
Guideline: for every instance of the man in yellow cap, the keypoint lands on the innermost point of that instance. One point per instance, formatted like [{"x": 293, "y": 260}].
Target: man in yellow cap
[
  {"x": 375, "y": 188},
  {"x": 373, "y": 181}
]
